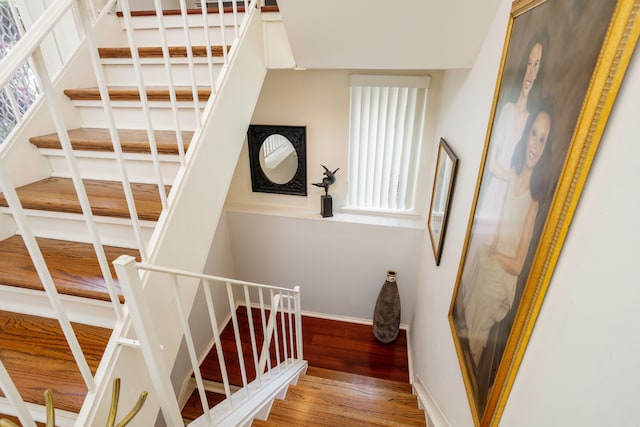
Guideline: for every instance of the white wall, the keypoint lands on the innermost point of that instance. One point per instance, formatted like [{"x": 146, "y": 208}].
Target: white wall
[
  {"x": 319, "y": 100},
  {"x": 580, "y": 367},
  {"x": 339, "y": 266},
  {"x": 315, "y": 99},
  {"x": 339, "y": 262}
]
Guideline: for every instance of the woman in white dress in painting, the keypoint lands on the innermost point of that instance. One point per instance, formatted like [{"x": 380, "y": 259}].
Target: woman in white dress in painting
[
  {"x": 505, "y": 135},
  {"x": 490, "y": 288}
]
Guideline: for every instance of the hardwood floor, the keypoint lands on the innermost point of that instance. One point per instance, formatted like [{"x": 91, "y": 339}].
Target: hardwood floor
[
  {"x": 350, "y": 347},
  {"x": 329, "y": 344}
]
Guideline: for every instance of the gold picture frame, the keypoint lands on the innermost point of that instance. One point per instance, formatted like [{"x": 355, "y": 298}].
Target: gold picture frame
[
  {"x": 443, "y": 184},
  {"x": 567, "y": 59}
]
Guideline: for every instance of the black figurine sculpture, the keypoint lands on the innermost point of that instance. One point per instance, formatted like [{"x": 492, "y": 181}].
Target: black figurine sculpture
[{"x": 326, "y": 204}]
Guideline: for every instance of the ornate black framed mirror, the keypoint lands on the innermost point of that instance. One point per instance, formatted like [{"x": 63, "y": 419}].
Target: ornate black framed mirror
[{"x": 278, "y": 159}]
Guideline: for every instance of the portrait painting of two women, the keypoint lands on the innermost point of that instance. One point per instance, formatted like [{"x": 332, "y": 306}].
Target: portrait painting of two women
[{"x": 551, "y": 52}]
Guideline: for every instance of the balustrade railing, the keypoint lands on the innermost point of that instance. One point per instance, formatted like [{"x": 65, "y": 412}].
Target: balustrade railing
[
  {"x": 271, "y": 323},
  {"x": 37, "y": 48}
]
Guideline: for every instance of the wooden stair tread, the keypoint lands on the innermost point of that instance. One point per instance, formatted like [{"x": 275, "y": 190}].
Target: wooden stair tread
[
  {"x": 318, "y": 413},
  {"x": 35, "y": 352},
  {"x": 337, "y": 392},
  {"x": 73, "y": 266},
  {"x": 315, "y": 373},
  {"x": 156, "y": 51},
  {"x": 132, "y": 94},
  {"x": 344, "y": 407},
  {"x": 106, "y": 198},
  {"x": 131, "y": 141}
]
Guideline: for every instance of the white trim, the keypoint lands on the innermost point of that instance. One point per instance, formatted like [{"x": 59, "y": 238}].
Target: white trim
[
  {"x": 409, "y": 354},
  {"x": 175, "y": 60},
  {"x": 136, "y": 104},
  {"x": 36, "y": 303},
  {"x": 389, "y": 81},
  {"x": 109, "y": 155},
  {"x": 345, "y": 319},
  {"x": 428, "y": 403},
  {"x": 69, "y": 226}
]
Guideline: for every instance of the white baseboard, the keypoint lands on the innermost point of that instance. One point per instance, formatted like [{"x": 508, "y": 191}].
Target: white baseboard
[
  {"x": 434, "y": 415},
  {"x": 345, "y": 318}
]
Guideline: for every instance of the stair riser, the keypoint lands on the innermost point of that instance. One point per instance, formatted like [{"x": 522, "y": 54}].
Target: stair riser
[
  {"x": 176, "y": 37},
  {"x": 130, "y": 115},
  {"x": 147, "y": 33},
  {"x": 113, "y": 231},
  {"x": 103, "y": 166},
  {"x": 154, "y": 74},
  {"x": 36, "y": 303}
]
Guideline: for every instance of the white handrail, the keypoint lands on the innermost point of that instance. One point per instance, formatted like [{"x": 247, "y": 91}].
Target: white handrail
[
  {"x": 129, "y": 273},
  {"x": 149, "y": 342}
]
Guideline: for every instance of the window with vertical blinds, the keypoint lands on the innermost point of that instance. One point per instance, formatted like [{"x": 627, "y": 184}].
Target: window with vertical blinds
[{"x": 386, "y": 125}]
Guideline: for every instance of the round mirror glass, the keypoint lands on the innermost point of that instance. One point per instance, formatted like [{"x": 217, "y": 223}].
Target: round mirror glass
[{"x": 278, "y": 159}]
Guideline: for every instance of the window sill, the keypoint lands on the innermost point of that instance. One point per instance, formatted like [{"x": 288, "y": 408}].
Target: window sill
[{"x": 404, "y": 221}]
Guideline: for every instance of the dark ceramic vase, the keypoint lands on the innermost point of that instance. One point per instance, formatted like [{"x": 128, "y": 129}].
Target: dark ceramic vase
[{"x": 386, "y": 315}]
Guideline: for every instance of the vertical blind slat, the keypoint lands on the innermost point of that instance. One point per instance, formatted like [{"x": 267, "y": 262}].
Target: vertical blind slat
[{"x": 386, "y": 127}]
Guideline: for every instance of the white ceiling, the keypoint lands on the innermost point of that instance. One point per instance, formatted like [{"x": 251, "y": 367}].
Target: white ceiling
[{"x": 395, "y": 34}]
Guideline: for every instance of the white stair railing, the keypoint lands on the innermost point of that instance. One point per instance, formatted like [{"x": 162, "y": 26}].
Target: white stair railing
[
  {"x": 31, "y": 49},
  {"x": 277, "y": 342}
]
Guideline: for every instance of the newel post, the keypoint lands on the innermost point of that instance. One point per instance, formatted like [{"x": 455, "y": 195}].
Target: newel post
[{"x": 131, "y": 285}]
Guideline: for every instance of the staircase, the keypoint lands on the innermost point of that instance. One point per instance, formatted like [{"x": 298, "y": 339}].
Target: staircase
[
  {"x": 330, "y": 398},
  {"x": 33, "y": 343},
  {"x": 168, "y": 182},
  {"x": 326, "y": 396}
]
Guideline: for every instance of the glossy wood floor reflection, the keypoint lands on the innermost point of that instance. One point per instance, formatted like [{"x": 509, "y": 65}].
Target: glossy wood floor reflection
[{"x": 351, "y": 347}]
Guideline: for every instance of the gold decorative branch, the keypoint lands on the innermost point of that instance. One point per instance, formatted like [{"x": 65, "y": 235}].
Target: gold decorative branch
[{"x": 111, "y": 420}]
